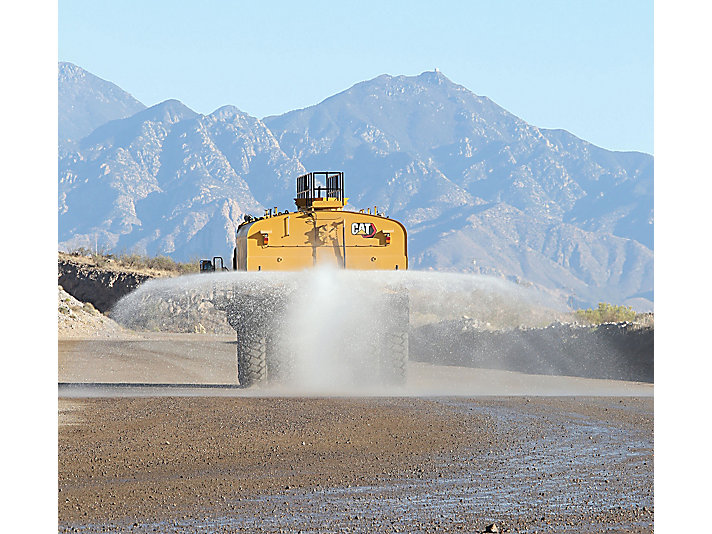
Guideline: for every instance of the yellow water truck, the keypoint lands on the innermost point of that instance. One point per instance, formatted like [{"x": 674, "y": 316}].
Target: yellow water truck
[{"x": 319, "y": 233}]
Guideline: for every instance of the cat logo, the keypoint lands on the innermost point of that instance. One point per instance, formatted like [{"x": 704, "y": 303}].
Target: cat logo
[{"x": 363, "y": 229}]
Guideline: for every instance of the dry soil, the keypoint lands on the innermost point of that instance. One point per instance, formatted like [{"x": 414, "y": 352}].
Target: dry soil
[
  {"x": 528, "y": 453},
  {"x": 199, "y": 464}
]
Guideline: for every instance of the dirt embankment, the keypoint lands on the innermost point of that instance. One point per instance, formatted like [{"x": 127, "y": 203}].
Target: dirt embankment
[
  {"x": 100, "y": 282},
  {"x": 616, "y": 351},
  {"x": 81, "y": 319},
  {"x": 100, "y": 285},
  {"x": 619, "y": 351}
]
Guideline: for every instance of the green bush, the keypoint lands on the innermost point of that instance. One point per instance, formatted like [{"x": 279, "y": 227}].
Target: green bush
[
  {"x": 606, "y": 313},
  {"x": 139, "y": 261}
]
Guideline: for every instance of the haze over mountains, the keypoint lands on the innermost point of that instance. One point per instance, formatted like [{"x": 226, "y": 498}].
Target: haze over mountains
[{"x": 479, "y": 189}]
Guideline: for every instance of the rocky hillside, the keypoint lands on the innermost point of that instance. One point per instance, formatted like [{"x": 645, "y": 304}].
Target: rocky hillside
[
  {"x": 86, "y": 102},
  {"x": 91, "y": 288},
  {"x": 100, "y": 283},
  {"x": 170, "y": 181},
  {"x": 426, "y": 142},
  {"x": 479, "y": 189}
]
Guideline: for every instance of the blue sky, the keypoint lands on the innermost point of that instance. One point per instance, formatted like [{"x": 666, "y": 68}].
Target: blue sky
[{"x": 585, "y": 66}]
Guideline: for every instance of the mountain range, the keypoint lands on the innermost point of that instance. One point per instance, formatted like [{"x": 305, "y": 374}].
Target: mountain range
[{"x": 479, "y": 189}]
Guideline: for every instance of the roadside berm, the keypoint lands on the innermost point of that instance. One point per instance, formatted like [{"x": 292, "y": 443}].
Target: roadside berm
[
  {"x": 619, "y": 351},
  {"x": 616, "y": 351},
  {"x": 82, "y": 319},
  {"x": 101, "y": 282}
]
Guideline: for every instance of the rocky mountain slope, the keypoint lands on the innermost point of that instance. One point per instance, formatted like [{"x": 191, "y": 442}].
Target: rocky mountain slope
[
  {"x": 479, "y": 189},
  {"x": 168, "y": 180},
  {"x": 86, "y": 102}
]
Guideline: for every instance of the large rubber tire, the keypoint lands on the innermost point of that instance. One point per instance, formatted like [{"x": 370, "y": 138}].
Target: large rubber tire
[
  {"x": 394, "y": 352},
  {"x": 251, "y": 359},
  {"x": 279, "y": 369},
  {"x": 394, "y": 358}
]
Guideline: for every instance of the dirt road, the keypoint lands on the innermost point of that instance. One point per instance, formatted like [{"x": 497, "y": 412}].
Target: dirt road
[
  {"x": 210, "y": 359},
  {"x": 402, "y": 464},
  {"x": 507, "y": 450}
]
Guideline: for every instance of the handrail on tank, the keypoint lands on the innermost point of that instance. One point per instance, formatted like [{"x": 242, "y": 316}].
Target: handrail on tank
[{"x": 307, "y": 187}]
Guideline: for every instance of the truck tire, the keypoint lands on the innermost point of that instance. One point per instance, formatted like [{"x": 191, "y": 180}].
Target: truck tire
[
  {"x": 251, "y": 359},
  {"x": 395, "y": 326},
  {"x": 394, "y": 358},
  {"x": 278, "y": 367}
]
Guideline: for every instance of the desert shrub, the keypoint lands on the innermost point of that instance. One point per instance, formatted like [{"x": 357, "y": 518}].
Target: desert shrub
[
  {"x": 606, "y": 313},
  {"x": 81, "y": 251},
  {"x": 158, "y": 263},
  {"x": 137, "y": 261}
]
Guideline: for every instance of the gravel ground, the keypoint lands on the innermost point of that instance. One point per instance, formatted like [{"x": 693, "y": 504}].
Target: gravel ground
[
  {"x": 230, "y": 464},
  {"x": 152, "y": 357}
]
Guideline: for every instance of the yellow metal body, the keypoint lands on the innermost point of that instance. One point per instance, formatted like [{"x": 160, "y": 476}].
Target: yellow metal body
[{"x": 321, "y": 232}]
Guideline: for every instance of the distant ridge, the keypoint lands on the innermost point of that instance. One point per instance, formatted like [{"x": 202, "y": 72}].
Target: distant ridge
[
  {"x": 479, "y": 189},
  {"x": 86, "y": 102}
]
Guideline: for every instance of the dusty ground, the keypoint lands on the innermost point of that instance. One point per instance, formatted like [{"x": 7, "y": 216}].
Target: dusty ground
[
  {"x": 230, "y": 460},
  {"x": 191, "y": 464},
  {"x": 148, "y": 357},
  {"x": 160, "y": 358}
]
